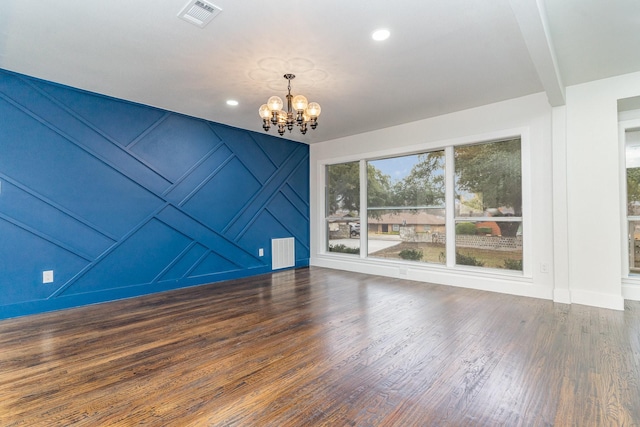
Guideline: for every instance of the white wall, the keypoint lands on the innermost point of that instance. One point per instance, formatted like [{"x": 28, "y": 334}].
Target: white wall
[
  {"x": 531, "y": 116},
  {"x": 575, "y": 215},
  {"x": 594, "y": 201}
]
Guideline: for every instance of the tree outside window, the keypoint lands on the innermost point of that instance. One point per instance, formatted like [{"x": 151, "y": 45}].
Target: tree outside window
[
  {"x": 343, "y": 208},
  {"x": 488, "y": 189},
  {"x": 406, "y": 206}
]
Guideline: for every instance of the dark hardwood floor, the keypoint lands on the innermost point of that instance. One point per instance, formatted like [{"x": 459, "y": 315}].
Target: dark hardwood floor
[{"x": 322, "y": 347}]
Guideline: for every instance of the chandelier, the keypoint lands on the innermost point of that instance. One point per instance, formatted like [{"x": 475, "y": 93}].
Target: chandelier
[{"x": 299, "y": 112}]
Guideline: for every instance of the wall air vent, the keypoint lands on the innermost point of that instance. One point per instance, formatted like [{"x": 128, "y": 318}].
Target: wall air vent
[
  {"x": 199, "y": 12},
  {"x": 283, "y": 253}
]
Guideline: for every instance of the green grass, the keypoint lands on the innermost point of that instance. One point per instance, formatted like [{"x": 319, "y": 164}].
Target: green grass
[{"x": 434, "y": 253}]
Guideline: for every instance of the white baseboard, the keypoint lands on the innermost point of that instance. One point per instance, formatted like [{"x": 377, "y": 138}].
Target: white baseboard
[
  {"x": 485, "y": 281},
  {"x": 631, "y": 292},
  {"x": 597, "y": 299},
  {"x": 562, "y": 296},
  {"x": 481, "y": 281}
]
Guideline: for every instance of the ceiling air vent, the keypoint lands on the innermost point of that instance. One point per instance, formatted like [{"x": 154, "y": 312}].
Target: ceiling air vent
[{"x": 199, "y": 12}]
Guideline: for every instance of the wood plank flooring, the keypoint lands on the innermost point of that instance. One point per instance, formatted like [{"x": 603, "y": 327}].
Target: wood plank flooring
[{"x": 320, "y": 347}]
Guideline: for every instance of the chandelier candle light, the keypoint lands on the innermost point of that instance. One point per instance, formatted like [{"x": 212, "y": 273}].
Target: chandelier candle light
[{"x": 299, "y": 112}]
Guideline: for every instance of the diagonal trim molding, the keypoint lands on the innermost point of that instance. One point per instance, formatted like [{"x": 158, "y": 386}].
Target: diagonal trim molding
[{"x": 121, "y": 199}]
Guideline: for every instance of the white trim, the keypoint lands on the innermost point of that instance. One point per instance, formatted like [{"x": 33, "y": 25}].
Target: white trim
[
  {"x": 623, "y": 125},
  {"x": 513, "y": 284},
  {"x": 597, "y": 299},
  {"x": 480, "y": 138},
  {"x": 450, "y": 204},
  {"x": 489, "y": 218},
  {"x": 631, "y": 289},
  {"x": 321, "y": 210},
  {"x": 562, "y": 295},
  {"x": 560, "y": 256},
  {"x": 527, "y": 196},
  {"x": 628, "y": 115},
  {"x": 364, "y": 223},
  {"x": 501, "y": 135}
]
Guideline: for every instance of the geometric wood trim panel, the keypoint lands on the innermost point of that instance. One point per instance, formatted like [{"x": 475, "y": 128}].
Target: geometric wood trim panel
[{"x": 121, "y": 199}]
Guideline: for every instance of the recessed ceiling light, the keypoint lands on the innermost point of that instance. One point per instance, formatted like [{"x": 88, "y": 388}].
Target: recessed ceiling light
[
  {"x": 380, "y": 35},
  {"x": 232, "y": 102}
]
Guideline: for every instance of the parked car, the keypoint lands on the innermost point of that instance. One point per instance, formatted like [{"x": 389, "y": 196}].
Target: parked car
[{"x": 355, "y": 229}]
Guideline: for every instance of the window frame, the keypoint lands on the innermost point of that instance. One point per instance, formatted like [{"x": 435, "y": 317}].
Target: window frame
[
  {"x": 520, "y": 219},
  {"x": 326, "y": 217},
  {"x": 444, "y": 204},
  {"x": 627, "y": 277},
  {"x": 523, "y": 133}
]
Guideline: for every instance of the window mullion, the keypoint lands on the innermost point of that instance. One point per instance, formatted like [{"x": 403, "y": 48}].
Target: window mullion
[
  {"x": 364, "y": 209},
  {"x": 450, "y": 225}
]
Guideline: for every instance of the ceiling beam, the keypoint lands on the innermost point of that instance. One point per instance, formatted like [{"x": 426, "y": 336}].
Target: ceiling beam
[{"x": 532, "y": 20}]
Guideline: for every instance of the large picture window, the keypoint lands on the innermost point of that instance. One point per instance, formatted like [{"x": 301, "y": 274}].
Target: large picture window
[
  {"x": 478, "y": 187},
  {"x": 405, "y": 207}
]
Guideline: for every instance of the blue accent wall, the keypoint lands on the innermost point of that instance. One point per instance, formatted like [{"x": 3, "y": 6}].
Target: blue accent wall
[{"x": 121, "y": 199}]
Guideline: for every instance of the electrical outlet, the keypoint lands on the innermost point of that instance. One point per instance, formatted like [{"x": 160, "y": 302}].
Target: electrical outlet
[
  {"x": 544, "y": 267},
  {"x": 47, "y": 276},
  {"x": 261, "y": 252}
]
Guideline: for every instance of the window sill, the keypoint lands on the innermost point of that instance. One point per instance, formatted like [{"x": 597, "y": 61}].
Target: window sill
[{"x": 407, "y": 268}]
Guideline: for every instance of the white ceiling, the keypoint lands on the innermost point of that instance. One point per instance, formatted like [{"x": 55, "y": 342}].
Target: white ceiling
[{"x": 442, "y": 56}]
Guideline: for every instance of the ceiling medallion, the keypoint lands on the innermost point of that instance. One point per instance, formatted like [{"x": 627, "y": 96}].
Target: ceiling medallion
[{"x": 299, "y": 112}]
